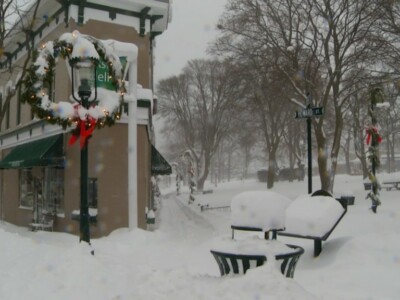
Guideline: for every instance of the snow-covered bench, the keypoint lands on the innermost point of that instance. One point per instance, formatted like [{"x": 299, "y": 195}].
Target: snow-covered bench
[
  {"x": 390, "y": 181},
  {"x": 258, "y": 211},
  {"x": 391, "y": 184},
  {"x": 313, "y": 217}
]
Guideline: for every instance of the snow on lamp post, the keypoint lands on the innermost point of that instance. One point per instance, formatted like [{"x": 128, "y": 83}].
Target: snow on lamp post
[{"x": 83, "y": 72}]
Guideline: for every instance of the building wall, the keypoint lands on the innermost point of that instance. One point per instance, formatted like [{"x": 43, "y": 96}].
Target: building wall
[
  {"x": 107, "y": 149},
  {"x": 107, "y": 163},
  {"x": 125, "y": 34},
  {"x": 11, "y": 210}
]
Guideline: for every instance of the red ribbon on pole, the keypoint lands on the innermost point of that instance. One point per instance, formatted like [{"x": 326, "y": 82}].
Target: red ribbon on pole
[
  {"x": 83, "y": 130},
  {"x": 371, "y": 132}
]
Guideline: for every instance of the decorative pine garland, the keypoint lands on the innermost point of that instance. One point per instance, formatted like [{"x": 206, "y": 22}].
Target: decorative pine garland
[{"x": 40, "y": 78}]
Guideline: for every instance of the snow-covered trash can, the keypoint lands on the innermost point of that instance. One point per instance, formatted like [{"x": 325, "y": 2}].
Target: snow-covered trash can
[
  {"x": 257, "y": 211},
  {"x": 150, "y": 217},
  {"x": 367, "y": 184},
  {"x": 348, "y": 197}
]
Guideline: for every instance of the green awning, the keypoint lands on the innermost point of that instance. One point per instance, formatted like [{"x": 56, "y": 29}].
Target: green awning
[
  {"x": 44, "y": 152},
  {"x": 159, "y": 166}
]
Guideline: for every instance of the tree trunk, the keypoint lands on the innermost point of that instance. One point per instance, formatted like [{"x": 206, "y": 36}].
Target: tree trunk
[
  {"x": 246, "y": 163},
  {"x": 203, "y": 176},
  {"x": 392, "y": 152},
  {"x": 364, "y": 165},
  {"x": 388, "y": 155},
  {"x": 322, "y": 160},
  {"x": 229, "y": 165},
  {"x": 347, "y": 153},
  {"x": 271, "y": 169}
]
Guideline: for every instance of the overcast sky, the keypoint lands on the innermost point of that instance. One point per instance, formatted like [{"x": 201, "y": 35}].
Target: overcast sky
[{"x": 187, "y": 36}]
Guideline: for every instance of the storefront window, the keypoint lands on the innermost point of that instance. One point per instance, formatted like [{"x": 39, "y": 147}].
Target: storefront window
[
  {"x": 27, "y": 187},
  {"x": 54, "y": 190}
]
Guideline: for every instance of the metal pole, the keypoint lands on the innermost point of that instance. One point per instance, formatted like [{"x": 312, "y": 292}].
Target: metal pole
[
  {"x": 373, "y": 144},
  {"x": 84, "y": 206},
  {"x": 309, "y": 155}
]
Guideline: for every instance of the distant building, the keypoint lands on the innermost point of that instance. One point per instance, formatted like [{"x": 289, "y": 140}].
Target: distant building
[{"x": 39, "y": 172}]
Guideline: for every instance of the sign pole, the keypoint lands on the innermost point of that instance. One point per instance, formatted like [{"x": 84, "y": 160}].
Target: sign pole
[
  {"x": 307, "y": 113},
  {"x": 309, "y": 150}
]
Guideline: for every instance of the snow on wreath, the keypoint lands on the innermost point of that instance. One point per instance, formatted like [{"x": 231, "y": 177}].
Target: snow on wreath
[{"x": 39, "y": 80}]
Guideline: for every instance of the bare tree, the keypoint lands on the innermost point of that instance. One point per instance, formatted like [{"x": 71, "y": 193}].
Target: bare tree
[
  {"x": 271, "y": 116},
  {"x": 388, "y": 33},
  {"x": 17, "y": 17},
  {"x": 247, "y": 138},
  {"x": 390, "y": 123},
  {"x": 202, "y": 102},
  {"x": 314, "y": 44}
]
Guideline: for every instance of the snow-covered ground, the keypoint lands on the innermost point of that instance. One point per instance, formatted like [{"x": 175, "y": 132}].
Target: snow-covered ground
[{"x": 360, "y": 260}]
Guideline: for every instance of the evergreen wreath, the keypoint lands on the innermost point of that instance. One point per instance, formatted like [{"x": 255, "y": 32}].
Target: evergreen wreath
[{"x": 40, "y": 76}]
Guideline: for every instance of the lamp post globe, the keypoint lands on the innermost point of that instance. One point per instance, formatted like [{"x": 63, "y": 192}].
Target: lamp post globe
[{"x": 83, "y": 73}]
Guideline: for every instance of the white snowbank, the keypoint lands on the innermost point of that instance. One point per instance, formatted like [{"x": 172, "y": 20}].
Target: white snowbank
[{"x": 360, "y": 260}]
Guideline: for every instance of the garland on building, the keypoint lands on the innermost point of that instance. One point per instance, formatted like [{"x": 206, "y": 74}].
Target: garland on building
[{"x": 39, "y": 83}]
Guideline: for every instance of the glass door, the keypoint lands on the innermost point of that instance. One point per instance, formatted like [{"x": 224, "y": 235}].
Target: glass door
[{"x": 54, "y": 191}]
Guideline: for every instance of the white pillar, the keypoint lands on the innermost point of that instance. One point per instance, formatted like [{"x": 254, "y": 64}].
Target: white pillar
[
  {"x": 130, "y": 51},
  {"x": 132, "y": 147}
]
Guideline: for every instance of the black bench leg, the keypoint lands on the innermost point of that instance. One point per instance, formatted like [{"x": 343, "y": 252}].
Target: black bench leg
[
  {"x": 317, "y": 247},
  {"x": 267, "y": 235}
]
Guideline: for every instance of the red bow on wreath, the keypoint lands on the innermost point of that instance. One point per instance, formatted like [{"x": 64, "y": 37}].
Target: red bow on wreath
[
  {"x": 83, "y": 130},
  {"x": 373, "y": 132}
]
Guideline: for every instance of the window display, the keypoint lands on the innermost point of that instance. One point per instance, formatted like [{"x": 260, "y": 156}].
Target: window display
[{"x": 27, "y": 187}]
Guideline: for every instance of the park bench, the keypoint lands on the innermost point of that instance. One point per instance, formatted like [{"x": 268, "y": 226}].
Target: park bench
[
  {"x": 391, "y": 184},
  {"x": 206, "y": 207},
  {"x": 314, "y": 218}
]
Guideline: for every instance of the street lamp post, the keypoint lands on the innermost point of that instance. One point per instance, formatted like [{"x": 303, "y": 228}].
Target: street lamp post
[{"x": 84, "y": 73}]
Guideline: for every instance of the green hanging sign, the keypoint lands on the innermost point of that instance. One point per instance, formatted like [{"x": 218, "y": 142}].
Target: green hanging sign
[{"x": 103, "y": 74}]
